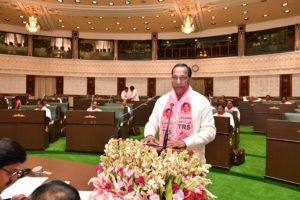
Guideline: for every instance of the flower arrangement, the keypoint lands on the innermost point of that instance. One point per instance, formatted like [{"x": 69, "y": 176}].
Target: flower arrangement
[{"x": 132, "y": 171}]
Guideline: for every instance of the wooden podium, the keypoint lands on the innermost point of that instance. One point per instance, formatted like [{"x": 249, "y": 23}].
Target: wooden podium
[
  {"x": 89, "y": 131},
  {"x": 28, "y": 127},
  {"x": 218, "y": 153},
  {"x": 283, "y": 150}
]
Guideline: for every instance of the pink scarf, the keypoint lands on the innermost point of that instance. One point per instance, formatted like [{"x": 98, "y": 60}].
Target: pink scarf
[{"x": 181, "y": 123}]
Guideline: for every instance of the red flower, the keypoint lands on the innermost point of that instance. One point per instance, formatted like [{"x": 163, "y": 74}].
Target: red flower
[
  {"x": 107, "y": 186},
  {"x": 130, "y": 188},
  {"x": 120, "y": 169},
  {"x": 139, "y": 179},
  {"x": 175, "y": 187},
  {"x": 99, "y": 167}
]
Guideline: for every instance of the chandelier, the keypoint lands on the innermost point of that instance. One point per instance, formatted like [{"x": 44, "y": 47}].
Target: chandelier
[
  {"x": 188, "y": 25},
  {"x": 32, "y": 26}
]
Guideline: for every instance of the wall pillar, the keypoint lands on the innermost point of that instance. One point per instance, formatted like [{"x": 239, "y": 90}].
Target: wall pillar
[
  {"x": 75, "y": 44},
  {"x": 241, "y": 40},
  {"x": 154, "y": 46}
]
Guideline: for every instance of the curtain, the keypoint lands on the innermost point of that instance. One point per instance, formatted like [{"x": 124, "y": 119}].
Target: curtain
[{"x": 44, "y": 86}]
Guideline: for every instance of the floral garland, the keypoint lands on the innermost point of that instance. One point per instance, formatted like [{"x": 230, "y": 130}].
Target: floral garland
[{"x": 132, "y": 171}]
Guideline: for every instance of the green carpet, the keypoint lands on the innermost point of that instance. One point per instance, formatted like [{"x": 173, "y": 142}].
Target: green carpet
[{"x": 244, "y": 182}]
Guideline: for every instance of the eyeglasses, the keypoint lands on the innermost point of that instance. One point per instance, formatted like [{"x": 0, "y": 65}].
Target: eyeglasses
[
  {"x": 11, "y": 174},
  {"x": 181, "y": 78}
]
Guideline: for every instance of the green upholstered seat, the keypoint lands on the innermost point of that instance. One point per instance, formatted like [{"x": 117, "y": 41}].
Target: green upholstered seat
[
  {"x": 63, "y": 106},
  {"x": 28, "y": 107},
  {"x": 53, "y": 109},
  {"x": 297, "y": 110},
  {"x": 119, "y": 110},
  {"x": 294, "y": 117},
  {"x": 130, "y": 105}
]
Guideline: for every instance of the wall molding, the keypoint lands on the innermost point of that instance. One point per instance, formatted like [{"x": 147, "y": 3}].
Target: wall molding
[{"x": 282, "y": 63}]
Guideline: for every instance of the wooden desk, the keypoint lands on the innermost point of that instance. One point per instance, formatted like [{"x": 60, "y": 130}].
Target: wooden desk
[
  {"x": 283, "y": 150},
  {"x": 246, "y": 111},
  {"x": 78, "y": 174},
  {"x": 218, "y": 153},
  {"x": 262, "y": 112},
  {"x": 141, "y": 115},
  {"x": 89, "y": 131}
]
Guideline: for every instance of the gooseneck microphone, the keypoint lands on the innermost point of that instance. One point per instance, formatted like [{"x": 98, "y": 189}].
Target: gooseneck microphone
[{"x": 166, "y": 135}]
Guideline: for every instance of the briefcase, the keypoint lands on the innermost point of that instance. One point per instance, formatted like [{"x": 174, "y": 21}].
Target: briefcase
[{"x": 238, "y": 156}]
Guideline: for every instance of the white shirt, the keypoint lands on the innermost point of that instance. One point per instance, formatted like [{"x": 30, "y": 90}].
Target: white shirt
[
  {"x": 90, "y": 109},
  {"x": 234, "y": 109},
  {"x": 47, "y": 110},
  {"x": 226, "y": 114},
  {"x": 134, "y": 95},
  {"x": 203, "y": 121}
]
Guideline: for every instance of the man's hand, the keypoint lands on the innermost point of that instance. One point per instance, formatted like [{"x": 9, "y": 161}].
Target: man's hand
[
  {"x": 176, "y": 144},
  {"x": 150, "y": 140},
  {"x": 18, "y": 197}
]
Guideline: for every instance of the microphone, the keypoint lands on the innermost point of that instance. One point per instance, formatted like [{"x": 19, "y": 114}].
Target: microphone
[
  {"x": 166, "y": 135},
  {"x": 38, "y": 170},
  {"x": 117, "y": 131}
]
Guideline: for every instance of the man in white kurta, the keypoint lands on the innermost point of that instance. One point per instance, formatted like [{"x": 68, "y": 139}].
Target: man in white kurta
[
  {"x": 230, "y": 108},
  {"x": 222, "y": 113},
  {"x": 202, "y": 120}
]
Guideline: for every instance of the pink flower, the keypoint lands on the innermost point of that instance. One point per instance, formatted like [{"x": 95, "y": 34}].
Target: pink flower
[
  {"x": 130, "y": 188},
  {"x": 139, "y": 179},
  {"x": 119, "y": 170},
  {"x": 107, "y": 186},
  {"x": 99, "y": 167},
  {"x": 154, "y": 197},
  {"x": 175, "y": 187},
  {"x": 179, "y": 195},
  {"x": 129, "y": 172}
]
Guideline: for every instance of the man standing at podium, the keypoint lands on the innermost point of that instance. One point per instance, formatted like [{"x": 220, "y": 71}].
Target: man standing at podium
[{"x": 190, "y": 128}]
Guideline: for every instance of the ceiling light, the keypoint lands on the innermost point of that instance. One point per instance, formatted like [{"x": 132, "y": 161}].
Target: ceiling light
[
  {"x": 62, "y": 26},
  {"x": 92, "y": 28},
  {"x": 188, "y": 25},
  {"x": 173, "y": 14},
  {"x": 244, "y": 4},
  {"x": 174, "y": 21},
  {"x": 127, "y": 2},
  {"x": 78, "y": 27},
  {"x": 157, "y": 16},
  {"x": 111, "y": 3},
  {"x": 94, "y": 2},
  {"x": 7, "y": 20},
  {"x": 161, "y": 0},
  {"x": 21, "y": 16},
  {"x": 265, "y": 15},
  {"x": 162, "y": 27},
  {"x": 60, "y": 1},
  {"x": 120, "y": 28},
  {"x": 147, "y": 28},
  {"x": 24, "y": 22},
  {"x": 287, "y": 11},
  {"x": 143, "y": 17},
  {"x": 118, "y": 23},
  {"x": 134, "y": 28},
  {"x": 89, "y": 22},
  {"x": 225, "y": 8},
  {"x": 77, "y": 1},
  {"x": 245, "y": 12},
  {"x": 146, "y": 23},
  {"x": 60, "y": 20},
  {"x": 100, "y": 17},
  {"x": 106, "y": 29},
  {"x": 213, "y": 17},
  {"x": 32, "y": 26},
  {"x": 195, "y": 40},
  {"x": 284, "y": 4},
  {"x": 229, "y": 21},
  {"x": 246, "y": 18},
  {"x": 209, "y": 10},
  {"x": 129, "y": 17}
]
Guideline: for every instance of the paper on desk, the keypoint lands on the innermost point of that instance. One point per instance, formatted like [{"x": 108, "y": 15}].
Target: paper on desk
[
  {"x": 24, "y": 186},
  {"x": 84, "y": 195}
]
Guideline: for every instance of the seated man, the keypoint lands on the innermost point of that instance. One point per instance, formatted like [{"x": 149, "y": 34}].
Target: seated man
[
  {"x": 93, "y": 107},
  {"x": 231, "y": 108},
  {"x": 55, "y": 190},
  {"x": 251, "y": 99},
  {"x": 56, "y": 98},
  {"x": 268, "y": 98},
  {"x": 11, "y": 156},
  {"x": 222, "y": 113},
  {"x": 41, "y": 106},
  {"x": 284, "y": 100},
  {"x": 125, "y": 94}
]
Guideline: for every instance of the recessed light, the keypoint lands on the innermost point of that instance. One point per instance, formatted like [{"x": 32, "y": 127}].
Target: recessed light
[
  {"x": 265, "y": 15},
  {"x": 111, "y": 3},
  {"x": 24, "y": 22},
  {"x": 134, "y": 28},
  {"x": 246, "y": 18},
  {"x": 174, "y": 21},
  {"x": 244, "y": 4},
  {"x": 157, "y": 16},
  {"x": 60, "y": 20},
  {"x": 245, "y": 12},
  {"x": 225, "y": 8},
  {"x": 213, "y": 17},
  {"x": 77, "y": 1},
  {"x": 92, "y": 28},
  {"x": 287, "y": 11},
  {"x": 195, "y": 40},
  {"x": 118, "y": 23},
  {"x": 100, "y": 17},
  {"x": 94, "y": 2},
  {"x": 229, "y": 21},
  {"x": 78, "y": 27},
  {"x": 213, "y": 23},
  {"x": 162, "y": 27},
  {"x": 285, "y": 4},
  {"x": 146, "y": 23},
  {"x": 229, "y": 37},
  {"x": 106, "y": 29},
  {"x": 209, "y": 10},
  {"x": 129, "y": 17},
  {"x": 143, "y": 17},
  {"x": 127, "y": 2},
  {"x": 161, "y": 0},
  {"x": 60, "y": 1},
  {"x": 89, "y": 22},
  {"x": 173, "y": 15},
  {"x": 62, "y": 26},
  {"x": 120, "y": 28},
  {"x": 147, "y": 28},
  {"x": 21, "y": 16}
]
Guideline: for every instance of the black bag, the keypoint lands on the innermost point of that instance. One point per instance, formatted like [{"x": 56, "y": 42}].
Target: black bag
[{"x": 238, "y": 156}]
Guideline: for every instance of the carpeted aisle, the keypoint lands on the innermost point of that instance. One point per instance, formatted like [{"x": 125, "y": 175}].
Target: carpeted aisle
[{"x": 244, "y": 182}]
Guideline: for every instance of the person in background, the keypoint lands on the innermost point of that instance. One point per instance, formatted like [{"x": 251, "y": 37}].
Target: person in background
[
  {"x": 55, "y": 190},
  {"x": 284, "y": 100},
  {"x": 18, "y": 103},
  {"x": 252, "y": 99},
  {"x": 186, "y": 130},
  {"x": 94, "y": 107},
  {"x": 125, "y": 94},
  {"x": 56, "y": 98},
  {"x": 268, "y": 98},
  {"x": 41, "y": 105},
  {"x": 230, "y": 108},
  {"x": 12, "y": 155},
  {"x": 222, "y": 113},
  {"x": 134, "y": 94}
]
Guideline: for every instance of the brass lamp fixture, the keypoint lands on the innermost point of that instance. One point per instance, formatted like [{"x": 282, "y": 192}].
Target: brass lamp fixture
[
  {"x": 188, "y": 25},
  {"x": 32, "y": 26}
]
